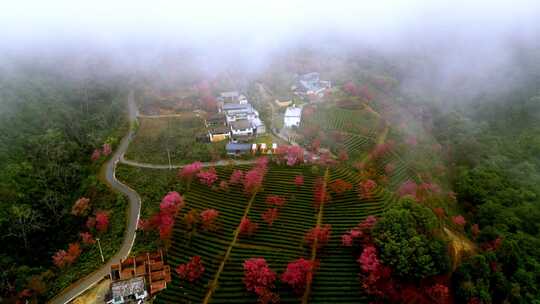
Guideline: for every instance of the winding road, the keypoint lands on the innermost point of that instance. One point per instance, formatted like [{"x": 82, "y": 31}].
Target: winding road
[{"x": 133, "y": 214}]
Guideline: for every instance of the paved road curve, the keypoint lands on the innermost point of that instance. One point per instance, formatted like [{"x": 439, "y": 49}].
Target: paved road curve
[{"x": 133, "y": 214}]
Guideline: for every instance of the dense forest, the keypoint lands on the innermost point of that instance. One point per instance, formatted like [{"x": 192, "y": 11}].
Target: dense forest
[
  {"x": 50, "y": 124},
  {"x": 493, "y": 149}
]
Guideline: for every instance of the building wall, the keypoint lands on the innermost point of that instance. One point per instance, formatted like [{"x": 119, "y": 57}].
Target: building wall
[{"x": 218, "y": 137}]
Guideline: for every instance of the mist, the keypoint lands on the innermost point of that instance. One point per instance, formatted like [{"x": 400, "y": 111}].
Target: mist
[{"x": 435, "y": 44}]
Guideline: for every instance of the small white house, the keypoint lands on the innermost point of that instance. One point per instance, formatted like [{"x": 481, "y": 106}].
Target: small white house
[
  {"x": 293, "y": 116},
  {"x": 241, "y": 128},
  {"x": 259, "y": 126}
]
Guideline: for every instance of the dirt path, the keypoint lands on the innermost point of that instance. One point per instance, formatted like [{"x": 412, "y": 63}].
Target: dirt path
[
  {"x": 307, "y": 292},
  {"x": 220, "y": 163},
  {"x": 132, "y": 214},
  {"x": 460, "y": 245},
  {"x": 214, "y": 284}
]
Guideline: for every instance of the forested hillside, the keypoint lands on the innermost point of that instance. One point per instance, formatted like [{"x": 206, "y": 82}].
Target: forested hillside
[
  {"x": 50, "y": 124},
  {"x": 493, "y": 153}
]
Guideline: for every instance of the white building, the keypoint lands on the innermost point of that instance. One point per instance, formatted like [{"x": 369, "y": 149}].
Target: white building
[
  {"x": 259, "y": 126},
  {"x": 242, "y": 128},
  {"x": 237, "y": 111},
  {"x": 293, "y": 116}
]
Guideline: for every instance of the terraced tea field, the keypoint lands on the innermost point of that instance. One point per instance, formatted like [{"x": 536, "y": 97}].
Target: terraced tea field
[
  {"x": 354, "y": 131},
  {"x": 334, "y": 282}
]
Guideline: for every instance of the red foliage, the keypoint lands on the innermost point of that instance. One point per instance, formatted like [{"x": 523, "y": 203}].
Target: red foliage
[
  {"x": 297, "y": 274},
  {"x": 91, "y": 222},
  {"x": 87, "y": 238},
  {"x": 106, "y": 149},
  {"x": 368, "y": 260},
  {"x": 259, "y": 278},
  {"x": 411, "y": 140},
  {"x": 95, "y": 155},
  {"x": 64, "y": 258},
  {"x": 318, "y": 236},
  {"x": 408, "y": 188},
  {"x": 350, "y": 88},
  {"x": 459, "y": 220},
  {"x": 439, "y": 212},
  {"x": 81, "y": 207},
  {"x": 320, "y": 195},
  {"x": 102, "y": 221},
  {"x": 275, "y": 200},
  {"x": 165, "y": 224},
  {"x": 366, "y": 187},
  {"x": 475, "y": 230},
  {"x": 253, "y": 180},
  {"x": 188, "y": 171},
  {"x": 361, "y": 232},
  {"x": 191, "y": 218},
  {"x": 299, "y": 180},
  {"x": 59, "y": 258},
  {"x": 270, "y": 215},
  {"x": 208, "y": 218},
  {"x": 208, "y": 177},
  {"x": 340, "y": 186},
  {"x": 224, "y": 185},
  {"x": 346, "y": 240},
  {"x": 316, "y": 145},
  {"x": 247, "y": 227},
  {"x": 209, "y": 103},
  {"x": 389, "y": 168},
  {"x": 343, "y": 156},
  {"x": 381, "y": 149},
  {"x": 236, "y": 177},
  {"x": 439, "y": 294},
  {"x": 365, "y": 92},
  {"x": 171, "y": 203},
  {"x": 191, "y": 270}
]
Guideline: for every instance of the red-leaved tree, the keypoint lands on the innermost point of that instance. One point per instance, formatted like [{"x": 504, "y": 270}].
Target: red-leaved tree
[
  {"x": 275, "y": 200},
  {"x": 189, "y": 171},
  {"x": 208, "y": 218},
  {"x": 366, "y": 188},
  {"x": 247, "y": 227},
  {"x": 81, "y": 207},
  {"x": 299, "y": 180},
  {"x": 318, "y": 236},
  {"x": 87, "y": 238},
  {"x": 340, "y": 186},
  {"x": 192, "y": 270},
  {"x": 259, "y": 278},
  {"x": 270, "y": 215},
  {"x": 237, "y": 177},
  {"x": 320, "y": 195},
  {"x": 297, "y": 273},
  {"x": 253, "y": 180},
  {"x": 106, "y": 149},
  {"x": 95, "y": 155},
  {"x": 102, "y": 221},
  {"x": 207, "y": 177}
]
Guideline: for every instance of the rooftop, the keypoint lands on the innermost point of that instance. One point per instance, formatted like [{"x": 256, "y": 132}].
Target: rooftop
[
  {"x": 238, "y": 147},
  {"x": 293, "y": 112},
  {"x": 241, "y": 124},
  {"x": 125, "y": 288},
  {"x": 237, "y": 106}
]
